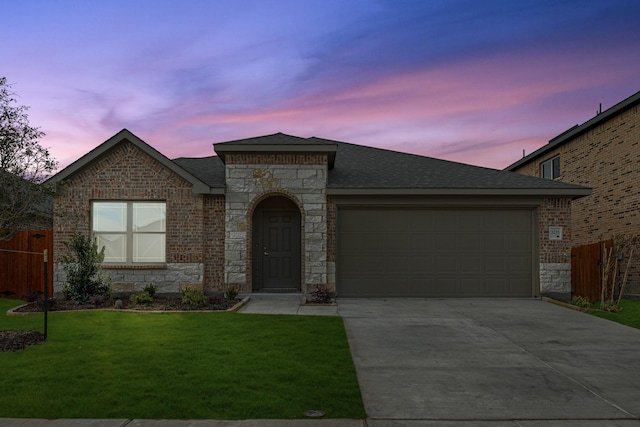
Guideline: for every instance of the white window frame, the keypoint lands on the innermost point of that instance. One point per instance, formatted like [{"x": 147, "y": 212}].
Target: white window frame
[
  {"x": 132, "y": 254},
  {"x": 550, "y": 169}
]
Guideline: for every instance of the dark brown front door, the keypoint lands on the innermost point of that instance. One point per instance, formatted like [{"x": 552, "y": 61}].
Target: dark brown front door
[{"x": 277, "y": 246}]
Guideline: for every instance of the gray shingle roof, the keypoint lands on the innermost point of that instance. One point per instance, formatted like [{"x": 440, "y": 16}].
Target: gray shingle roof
[
  {"x": 274, "y": 139},
  {"x": 353, "y": 169},
  {"x": 360, "y": 167},
  {"x": 207, "y": 169}
]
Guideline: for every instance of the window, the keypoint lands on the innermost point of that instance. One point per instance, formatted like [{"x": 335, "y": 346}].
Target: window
[
  {"x": 130, "y": 232},
  {"x": 550, "y": 169}
]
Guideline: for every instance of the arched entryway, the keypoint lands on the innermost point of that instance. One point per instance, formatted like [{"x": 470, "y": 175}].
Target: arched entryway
[{"x": 276, "y": 246}]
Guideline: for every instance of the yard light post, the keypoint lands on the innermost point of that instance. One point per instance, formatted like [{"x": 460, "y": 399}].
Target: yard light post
[{"x": 46, "y": 291}]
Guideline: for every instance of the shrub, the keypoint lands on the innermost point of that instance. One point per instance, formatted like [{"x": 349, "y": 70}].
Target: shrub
[
  {"x": 231, "y": 293},
  {"x": 612, "y": 307},
  {"x": 581, "y": 302},
  {"x": 321, "y": 295},
  {"x": 82, "y": 265},
  {"x": 194, "y": 298},
  {"x": 142, "y": 297},
  {"x": 151, "y": 290}
]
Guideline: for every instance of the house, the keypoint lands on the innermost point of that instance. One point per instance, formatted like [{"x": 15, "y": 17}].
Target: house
[
  {"x": 604, "y": 154},
  {"x": 280, "y": 213}
]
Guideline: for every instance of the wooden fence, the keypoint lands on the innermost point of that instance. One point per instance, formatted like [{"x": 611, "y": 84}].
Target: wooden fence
[
  {"x": 22, "y": 263},
  {"x": 586, "y": 270}
]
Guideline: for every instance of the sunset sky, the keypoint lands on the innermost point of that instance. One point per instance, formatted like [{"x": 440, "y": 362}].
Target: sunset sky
[{"x": 465, "y": 80}]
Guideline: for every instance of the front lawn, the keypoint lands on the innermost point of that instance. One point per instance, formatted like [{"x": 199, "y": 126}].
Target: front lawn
[
  {"x": 179, "y": 366},
  {"x": 630, "y": 314}
]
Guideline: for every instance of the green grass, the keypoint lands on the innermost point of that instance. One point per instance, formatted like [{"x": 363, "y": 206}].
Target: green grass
[
  {"x": 630, "y": 314},
  {"x": 179, "y": 366}
]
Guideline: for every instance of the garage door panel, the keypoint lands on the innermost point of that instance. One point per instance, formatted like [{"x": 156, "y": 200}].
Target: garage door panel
[
  {"x": 520, "y": 242},
  {"x": 354, "y": 242},
  {"x": 470, "y": 285},
  {"x": 519, "y": 263},
  {"x": 434, "y": 252},
  {"x": 496, "y": 264},
  {"x": 397, "y": 240},
  {"x": 396, "y": 263},
  {"x": 471, "y": 242},
  {"x": 364, "y": 264},
  {"x": 446, "y": 241},
  {"x": 474, "y": 264},
  {"x": 422, "y": 242},
  {"x": 422, "y": 263}
]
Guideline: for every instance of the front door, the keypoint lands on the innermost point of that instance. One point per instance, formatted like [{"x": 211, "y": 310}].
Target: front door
[{"x": 277, "y": 247}]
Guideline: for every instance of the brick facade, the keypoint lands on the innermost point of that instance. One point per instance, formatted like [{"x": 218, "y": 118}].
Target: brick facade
[
  {"x": 127, "y": 173},
  {"x": 555, "y": 255},
  {"x": 605, "y": 157}
]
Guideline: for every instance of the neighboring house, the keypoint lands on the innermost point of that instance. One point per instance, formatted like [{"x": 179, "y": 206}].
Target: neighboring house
[
  {"x": 280, "y": 213},
  {"x": 604, "y": 154}
]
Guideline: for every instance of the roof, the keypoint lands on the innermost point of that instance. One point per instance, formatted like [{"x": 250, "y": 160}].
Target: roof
[
  {"x": 278, "y": 142},
  {"x": 576, "y": 130},
  {"x": 199, "y": 186},
  {"x": 365, "y": 170},
  {"x": 208, "y": 169},
  {"x": 352, "y": 169}
]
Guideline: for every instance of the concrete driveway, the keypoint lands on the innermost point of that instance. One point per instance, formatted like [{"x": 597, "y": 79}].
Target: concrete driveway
[{"x": 501, "y": 362}]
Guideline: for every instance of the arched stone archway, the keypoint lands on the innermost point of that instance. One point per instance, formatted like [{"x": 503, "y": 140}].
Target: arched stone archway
[{"x": 276, "y": 246}]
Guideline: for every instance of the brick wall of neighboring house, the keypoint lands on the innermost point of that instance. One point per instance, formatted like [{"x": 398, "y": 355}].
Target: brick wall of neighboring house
[
  {"x": 127, "y": 173},
  {"x": 251, "y": 178},
  {"x": 607, "y": 159}
]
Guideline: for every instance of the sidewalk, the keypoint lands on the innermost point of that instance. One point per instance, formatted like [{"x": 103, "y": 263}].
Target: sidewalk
[{"x": 21, "y": 422}]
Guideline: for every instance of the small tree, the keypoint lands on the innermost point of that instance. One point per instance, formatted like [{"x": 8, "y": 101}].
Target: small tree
[
  {"x": 616, "y": 264},
  {"x": 82, "y": 265},
  {"x": 24, "y": 166}
]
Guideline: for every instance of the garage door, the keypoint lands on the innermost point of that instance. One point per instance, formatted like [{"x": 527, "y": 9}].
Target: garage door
[{"x": 391, "y": 252}]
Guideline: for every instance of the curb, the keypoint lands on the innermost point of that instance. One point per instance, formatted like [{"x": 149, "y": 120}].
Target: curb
[{"x": 238, "y": 306}]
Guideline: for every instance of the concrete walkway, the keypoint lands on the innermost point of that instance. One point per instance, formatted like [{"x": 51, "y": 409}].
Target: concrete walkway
[
  {"x": 285, "y": 304},
  {"x": 464, "y": 363}
]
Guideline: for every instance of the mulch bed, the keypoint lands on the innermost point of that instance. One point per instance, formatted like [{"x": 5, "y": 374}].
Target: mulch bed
[
  {"x": 158, "y": 304},
  {"x": 19, "y": 340}
]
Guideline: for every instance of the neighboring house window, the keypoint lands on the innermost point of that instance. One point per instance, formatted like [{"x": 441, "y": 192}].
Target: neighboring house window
[
  {"x": 130, "y": 232},
  {"x": 551, "y": 168}
]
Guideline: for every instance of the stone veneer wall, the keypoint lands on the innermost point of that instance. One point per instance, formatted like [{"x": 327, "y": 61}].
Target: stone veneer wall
[
  {"x": 555, "y": 255},
  {"x": 127, "y": 173},
  {"x": 252, "y": 178}
]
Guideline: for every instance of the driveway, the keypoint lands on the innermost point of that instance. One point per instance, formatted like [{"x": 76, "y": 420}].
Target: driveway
[{"x": 500, "y": 362}]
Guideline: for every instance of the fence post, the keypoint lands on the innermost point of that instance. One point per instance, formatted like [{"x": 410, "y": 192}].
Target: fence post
[{"x": 46, "y": 291}]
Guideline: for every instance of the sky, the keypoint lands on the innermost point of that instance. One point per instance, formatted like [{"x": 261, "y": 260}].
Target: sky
[{"x": 470, "y": 81}]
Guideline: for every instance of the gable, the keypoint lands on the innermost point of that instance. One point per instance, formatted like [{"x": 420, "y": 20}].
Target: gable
[{"x": 124, "y": 137}]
